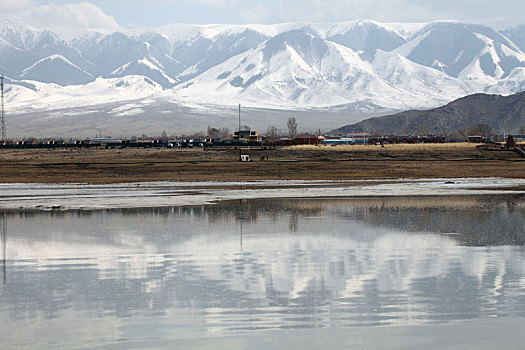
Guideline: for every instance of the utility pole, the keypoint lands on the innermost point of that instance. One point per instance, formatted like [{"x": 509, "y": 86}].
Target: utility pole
[
  {"x": 2, "y": 119},
  {"x": 239, "y": 121}
]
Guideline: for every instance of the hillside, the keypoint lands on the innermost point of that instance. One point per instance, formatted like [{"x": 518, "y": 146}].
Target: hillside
[{"x": 501, "y": 113}]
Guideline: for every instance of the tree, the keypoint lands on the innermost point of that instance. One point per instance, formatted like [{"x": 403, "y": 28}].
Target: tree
[
  {"x": 292, "y": 127},
  {"x": 225, "y": 132},
  {"x": 213, "y": 132},
  {"x": 198, "y": 135},
  {"x": 164, "y": 134},
  {"x": 481, "y": 129},
  {"x": 272, "y": 131},
  {"x": 477, "y": 130},
  {"x": 455, "y": 136},
  {"x": 522, "y": 130},
  {"x": 423, "y": 128}
]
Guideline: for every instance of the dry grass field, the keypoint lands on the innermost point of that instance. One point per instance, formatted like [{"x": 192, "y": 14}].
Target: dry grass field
[
  {"x": 420, "y": 147},
  {"x": 98, "y": 165}
]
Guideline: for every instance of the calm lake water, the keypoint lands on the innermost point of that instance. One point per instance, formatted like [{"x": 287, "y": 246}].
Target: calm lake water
[{"x": 433, "y": 272}]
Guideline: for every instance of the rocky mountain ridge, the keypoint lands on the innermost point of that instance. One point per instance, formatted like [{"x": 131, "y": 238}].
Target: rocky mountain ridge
[{"x": 363, "y": 66}]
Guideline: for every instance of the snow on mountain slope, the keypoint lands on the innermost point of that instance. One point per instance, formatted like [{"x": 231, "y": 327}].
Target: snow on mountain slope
[
  {"x": 18, "y": 95},
  {"x": 202, "y": 53},
  {"x": 57, "y": 68},
  {"x": 52, "y": 96},
  {"x": 517, "y": 36},
  {"x": 283, "y": 72},
  {"x": 490, "y": 64},
  {"x": 407, "y": 48},
  {"x": 20, "y": 35},
  {"x": 178, "y": 32},
  {"x": 452, "y": 47},
  {"x": 514, "y": 83},
  {"x": 421, "y": 86},
  {"x": 297, "y": 70},
  {"x": 366, "y": 64},
  {"x": 148, "y": 54},
  {"x": 365, "y": 35},
  {"x": 406, "y": 30},
  {"x": 146, "y": 68}
]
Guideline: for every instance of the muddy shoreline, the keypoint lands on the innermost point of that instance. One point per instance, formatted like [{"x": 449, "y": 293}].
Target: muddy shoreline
[{"x": 34, "y": 196}]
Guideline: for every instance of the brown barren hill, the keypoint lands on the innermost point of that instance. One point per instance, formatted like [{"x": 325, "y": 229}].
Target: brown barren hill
[{"x": 500, "y": 113}]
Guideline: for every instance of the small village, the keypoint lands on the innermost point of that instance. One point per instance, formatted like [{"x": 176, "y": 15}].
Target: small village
[{"x": 250, "y": 139}]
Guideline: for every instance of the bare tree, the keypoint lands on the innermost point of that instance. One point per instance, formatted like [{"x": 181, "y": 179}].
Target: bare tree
[
  {"x": 198, "y": 135},
  {"x": 213, "y": 132},
  {"x": 225, "y": 132},
  {"x": 455, "y": 136},
  {"x": 423, "y": 128},
  {"x": 484, "y": 130},
  {"x": 522, "y": 130},
  {"x": 292, "y": 127},
  {"x": 475, "y": 130}
]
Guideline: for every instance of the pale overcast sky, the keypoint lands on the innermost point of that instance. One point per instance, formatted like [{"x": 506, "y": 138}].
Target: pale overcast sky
[{"x": 114, "y": 14}]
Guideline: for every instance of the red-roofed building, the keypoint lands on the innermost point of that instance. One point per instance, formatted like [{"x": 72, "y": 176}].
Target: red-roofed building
[{"x": 306, "y": 139}]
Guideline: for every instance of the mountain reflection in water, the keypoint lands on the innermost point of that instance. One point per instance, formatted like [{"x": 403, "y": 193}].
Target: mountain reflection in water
[{"x": 241, "y": 266}]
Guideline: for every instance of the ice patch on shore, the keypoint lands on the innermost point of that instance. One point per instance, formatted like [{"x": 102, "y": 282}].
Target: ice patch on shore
[{"x": 167, "y": 194}]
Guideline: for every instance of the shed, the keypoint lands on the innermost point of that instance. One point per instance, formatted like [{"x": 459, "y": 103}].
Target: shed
[
  {"x": 306, "y": 139},
  {"x": 476, "y": 139}
]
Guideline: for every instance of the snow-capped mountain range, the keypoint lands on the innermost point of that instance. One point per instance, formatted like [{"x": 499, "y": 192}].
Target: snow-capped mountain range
[{"x": 363, "y": 66}]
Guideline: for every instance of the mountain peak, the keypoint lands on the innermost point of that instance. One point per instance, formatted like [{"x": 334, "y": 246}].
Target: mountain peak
[{"x": 289, "y": 65}]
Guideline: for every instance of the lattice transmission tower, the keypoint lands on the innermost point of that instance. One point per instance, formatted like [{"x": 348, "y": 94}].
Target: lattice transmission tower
[{"x": 2, "y": 118}]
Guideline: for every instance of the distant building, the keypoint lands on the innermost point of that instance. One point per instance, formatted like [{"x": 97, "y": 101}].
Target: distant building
[
  {"x": 245, "y": 135},
  {"x": 102, "y": 141},
  {"x": 476, "y": 139},
  {"x": 339, "y": 141},
  {"x": 306, "y": 139},
  {"x": 277, "y": 141}
]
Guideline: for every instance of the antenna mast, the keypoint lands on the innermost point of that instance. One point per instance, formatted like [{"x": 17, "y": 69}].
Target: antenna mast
[{"x": 3, "y": 109}]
